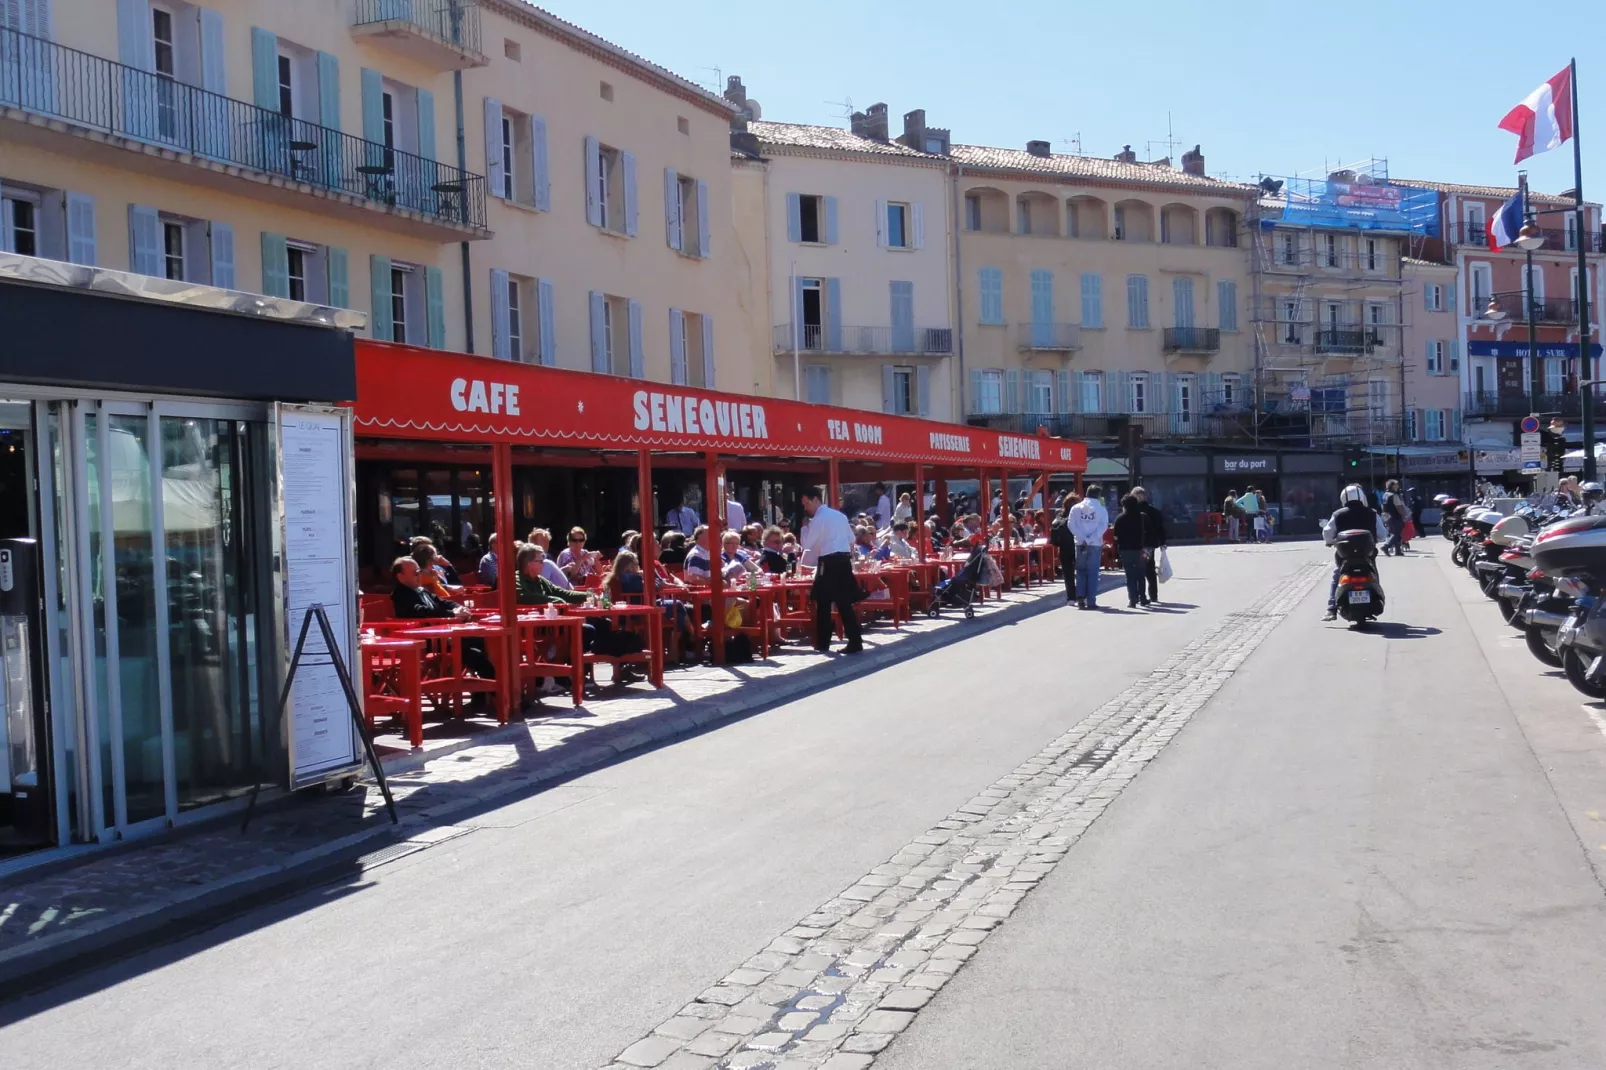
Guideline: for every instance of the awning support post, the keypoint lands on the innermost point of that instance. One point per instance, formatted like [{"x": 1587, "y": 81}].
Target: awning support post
[
  {"x": 920, "y": 512},
  {"x": 649, "y": 555},
  {"x": 507, "y": 579},
  {"x": 715, "y": 496}
]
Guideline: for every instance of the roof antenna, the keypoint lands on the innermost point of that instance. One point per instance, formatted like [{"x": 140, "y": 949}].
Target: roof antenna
[
  {"x": 844, "y": 107},
  {"x": 719, "y": 78},
  {"x": 1074, "y": 142}
]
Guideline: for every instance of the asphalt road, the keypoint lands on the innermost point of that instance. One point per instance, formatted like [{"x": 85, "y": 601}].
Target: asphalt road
[{"x": 1352, "y": 856}]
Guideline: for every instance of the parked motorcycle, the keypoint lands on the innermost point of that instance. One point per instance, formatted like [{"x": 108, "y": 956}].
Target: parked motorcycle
[{"x": 1575, "y": 550}]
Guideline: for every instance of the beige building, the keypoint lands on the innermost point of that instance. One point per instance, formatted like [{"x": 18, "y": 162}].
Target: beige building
[
  {"x": 1432, "y": 352},
  {"x": 475, "y": 174},
  {"x": 1092, "y": 288},
  {"x": 846, "y": 232}
]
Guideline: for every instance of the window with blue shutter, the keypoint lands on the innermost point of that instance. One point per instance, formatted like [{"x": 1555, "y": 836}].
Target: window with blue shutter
[
  {"x": 547, "y": 314},
  {"x": 1042, "y": 283},
  {"x": 677, "y": 347},
  {"x": 817, "y": 384},
  {"x": 903, "y": 317},
  {"x": 339, "y": 277},
  {"x": 1227, "y": 302},
  {"x": 1137, "y": 301},
  {"x": 990, "y": 284},
  {"x": 1182, "y": 302},
  {"x": 1092, "y": 299},
  {"x": 276, "y": 267}
]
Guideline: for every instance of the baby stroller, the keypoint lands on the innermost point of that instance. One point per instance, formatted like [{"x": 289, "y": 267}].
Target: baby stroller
[{"x": 963, "y": 590}]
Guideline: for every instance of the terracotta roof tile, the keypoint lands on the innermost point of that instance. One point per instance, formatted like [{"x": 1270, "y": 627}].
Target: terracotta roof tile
[
  {"x": 835, "y": 138},
  {"x": 1497, "y": 192},
  {"x": 1092, "y": 167}
]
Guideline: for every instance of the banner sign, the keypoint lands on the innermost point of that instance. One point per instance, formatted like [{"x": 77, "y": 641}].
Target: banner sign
[
  {"x": 1520, "y": 349},
  {"x": 1232, "y": 466},
  {"x": 1493, "y": 462},
  {"x": 405, "y": 392},
  {"x": 1359, "y": 205}
]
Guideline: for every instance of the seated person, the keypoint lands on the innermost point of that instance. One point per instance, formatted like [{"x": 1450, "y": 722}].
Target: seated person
[
  {"x": 672, "y": 548},
  {"x": 753, "y": 538},
  {"x": 534, "y": 588},
  {"x": 578, "y": 563},
  {"x": 624, "y": 540},
  {"x": 543, "y": 538},
  {"x": 699, "y": 564},
  {"x": 731, "y": 551},
  {"x": 442, "y": 567},
  {"x": 864, "y": 544},
  {"x": 411, "y": 601},
  {"x": 430, "y": 577},
  {"x": 773, "y": 558},
  {"x": 625, "y": 578},
  {"x": 897, "y": 544}
]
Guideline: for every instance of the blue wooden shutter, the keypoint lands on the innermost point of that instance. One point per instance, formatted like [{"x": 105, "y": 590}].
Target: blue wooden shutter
[
  {"x": 222, "y": 255},
  {"x": 1092, "y": 299},
  {"x": 917, "y": 214},
  {"x": 889, "y": 387},
  {"x": 599, "y": 334},
  {"x": 144, "y": 241},
  {"x": 548, "y": 318},
  {"x": 501, "y": 313},
  {"x": 673, "y": 224},
  {"x": 1012, "y": 402},
  {"x": 903, "y": 316},
  {"x": 373, "y": 117},
  {"x": 81, "y": 243},
  {"x": 975, "y": 390},
  {"x": 264, "y": 67},
  {"x": 593, "y": 166},
  {"x": 833, "y": 315},
  {"x": 794, "y": 217},
  {"x": 628, "y": 175},
  {"x": 830, "y": 221},
  {"x": 708, "y": 352},
  {"x": 677, "y": 347},
  {"x": 540, "y": 173},
  {"x": 426, "y": 125},
  {"x": 881, "y": 223},
  {"x": 990, "y": 282},
  {"x": 339, "y": 277},
  {"x": 1428, "y": 362},
  {"x": 1455, "y": 355},
  {"x": 702, "y": 218},
  {"x": 923, "y": 389},
  {"x": 1227, "y": 305},
  {"x": 817, "y": 384},
  {"x": 331, "y": 157},
  {"x": 493, "y": 145},
  {"x": 276, "y": 266},
  {"x": 1182, "y": 302},
  {"x": 1042, "y": 308},
  {"x": 380, "y": 325},
  {"x": 435, "y": 307},
  {"x": 638, "y": 363}
]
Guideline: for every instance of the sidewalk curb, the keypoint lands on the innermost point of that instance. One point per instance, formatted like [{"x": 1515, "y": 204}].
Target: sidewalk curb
[{"x": 54, "y": 958}]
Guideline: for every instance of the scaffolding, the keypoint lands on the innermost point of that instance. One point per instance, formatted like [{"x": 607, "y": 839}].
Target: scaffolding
[{"x": 1327, "y": 304}]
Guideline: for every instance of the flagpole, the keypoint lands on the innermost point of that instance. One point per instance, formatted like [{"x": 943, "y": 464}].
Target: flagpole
[{"x": 1585, "y": 359}]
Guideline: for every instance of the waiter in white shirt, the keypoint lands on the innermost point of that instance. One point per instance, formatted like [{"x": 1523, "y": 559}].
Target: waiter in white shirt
[
  {"x": 828, "y": 541},
  {"x": 735, "y": 515}
]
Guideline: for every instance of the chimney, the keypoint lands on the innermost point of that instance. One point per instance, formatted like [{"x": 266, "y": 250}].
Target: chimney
[
  {"x": 1126, "y": 155},
  {"x": 736, "y": 93},
  {"x": 859, "y": 124},
  {"x": 1038, "y": 148},
  {"x": 875, "y": 122},
  {"x": 914, "y": 129},
  {"x": 1193, "y": 162}
]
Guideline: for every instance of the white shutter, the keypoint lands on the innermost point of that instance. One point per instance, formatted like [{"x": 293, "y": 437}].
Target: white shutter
[
  {"x": 881, "y": 223},
  {"x": 548, "y": 320},
  {"x": 540, "y": 175},
  {"x": 493, "y": 145},
  {"x": 917, "y": 210},
  {"x": 889, "y": 387},
  {"x": 638, "y": 364},
  {"x": 593, "y": 166},
  {"x": 708, "y": 352},
  {"x": 794, "y": 217},
  {"x": 222, "y": 255},
  {"x": 144, "y": 240},
  {"x": 673, "y": 224},
  {"x": 830, "y": 220},
  {"x": 501, "y": 347},
  {"x": 677, "y": 347}
]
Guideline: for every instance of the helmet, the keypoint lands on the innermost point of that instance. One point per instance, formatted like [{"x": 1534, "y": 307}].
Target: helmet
[
  {"x": 1353, "y": 494},
  {"x": 1440, "y": 499},
  {"x": 1593, "y": 492}
]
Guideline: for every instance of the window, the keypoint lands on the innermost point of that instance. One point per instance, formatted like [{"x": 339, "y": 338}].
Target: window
[
  {"x": 22, "y": 226},
  {"x": 1184, "y": 399},
  {"x": 1292, "y": 335},
  {"x": 388, "y": 110},
  {"x": 1232, "y": 391},
  {"x": 398, "y": 304},
  {"x": 611, "y": 198},
  {"x": 615, "y": 338},
  {"x": 691, "y": 348},
  {"x": 1572, "y": 231},
  {"x": 811, "y": 220},
  {"x": 1120, "y": 223},
  {"x": 1040, "y": 392},
  {"x": 1330, "y": 250},
  {"x": 1137, "y": 301},
  {"x": 1092, "y": 299},
  {"x": 173, "y": 250},
  {"x": 511, "y": 50},
  {"x": 1377, "y": 398},
  {"x": 1137, "y": 392},
  {"x": 687, "y": 208},
  {"x": 606, "y": 91},
  {"x": 898, "y": 226},
  {"x": 1555, "y": 376},
  {"x": 1482, "y": 279},
  {"x": 936, "y": 146},
  {"x": 515, "y": 318},
  {"x": 972, "y": 212},
  {"x": 1023, "y": 217},
  {"x": 683, "y": 125},
  {"x": 990, "y": 283},
  {"x": 990, "y": 391},
  {"x": 905, "y": 400},
  {"x": 509, "y": 143},
  {"x": 166, "y": 72},
  {"x": 1433, "y": 425},
  {"x": 1334, "y": 314},
  {"x": 1090, "y": 391},
  {"x": 1475, "y": 225},
  {"x": 286, "y": 86},
  {"x": 1287, "y": 249},
  {"x": 1437, "y": 351},
  {"x": 1182, "y": 302},
  {"x": 295, "y": 258},
  {"x": 1227, "y": 300},
  {"x": 1433, "y": 295},
  {"x": 1374, "y": 255},
  {"x": 812, "y": 299}
]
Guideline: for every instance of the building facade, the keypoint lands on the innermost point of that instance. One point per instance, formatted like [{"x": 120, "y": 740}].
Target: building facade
[
  {"x": 474, "y": 174},
  {"x": 849, "y": 230},
  {"x": 1432, "y": 351}
]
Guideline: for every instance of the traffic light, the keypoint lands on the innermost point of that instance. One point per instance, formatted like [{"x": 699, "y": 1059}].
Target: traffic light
[{"x": 1554, "y": 447}]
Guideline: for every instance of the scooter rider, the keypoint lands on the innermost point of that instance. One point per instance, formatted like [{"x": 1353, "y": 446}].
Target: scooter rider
[
  {"x": 1354, "y": 514},
  {"x": 1594, "y": 499}
]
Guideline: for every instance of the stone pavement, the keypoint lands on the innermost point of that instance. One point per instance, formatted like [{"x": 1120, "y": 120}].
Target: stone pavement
[
  {"x": 836, "y": 988},
  {"x": 55, "y": 920}
]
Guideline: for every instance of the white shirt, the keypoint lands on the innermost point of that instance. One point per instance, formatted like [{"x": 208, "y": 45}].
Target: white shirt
[
  {"x": 827, "y": 532},
  {"x": 903, "y": 511},
  {"x": 1088, "y": 521},
  {"x": 883, "y": 511},
  {"x": 735, "y": 515},
  {"x": 901, "y": 549},
  {"x": 551, "y": 571},
  {"x": 685, "y": 518}
]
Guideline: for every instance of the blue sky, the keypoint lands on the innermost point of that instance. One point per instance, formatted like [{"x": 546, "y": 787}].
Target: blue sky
[{"x": 1279, "y": 88}]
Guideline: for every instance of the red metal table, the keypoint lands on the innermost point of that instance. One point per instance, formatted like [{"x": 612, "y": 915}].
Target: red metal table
[
  {"x": 444, "y": 677},
  {"x": 646, "y": 618}
]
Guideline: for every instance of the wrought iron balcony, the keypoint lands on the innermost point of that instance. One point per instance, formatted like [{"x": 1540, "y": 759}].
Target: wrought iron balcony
[
  {"x": 1546, "y": 309},
  {"x": 442, "y": 33},
  {"x": 1490, "y": 403},
  {"x": 866, "y": 341},
  {"x": 1053, "y": 337},
  {"x": 1156, "y": 426},
  {"x": 84, "y": 90},
  {"x": 1192, "y": 340},
  {"x": 1557, "y": 240}
]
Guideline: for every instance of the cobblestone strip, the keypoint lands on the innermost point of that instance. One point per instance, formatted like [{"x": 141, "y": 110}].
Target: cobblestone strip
[{"x": 836, "y": 988}]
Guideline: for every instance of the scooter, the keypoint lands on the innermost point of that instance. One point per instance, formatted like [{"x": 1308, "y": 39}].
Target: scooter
[
  {"x": 1360, "y": 595},
  {"x": 1576, "y": 550}
]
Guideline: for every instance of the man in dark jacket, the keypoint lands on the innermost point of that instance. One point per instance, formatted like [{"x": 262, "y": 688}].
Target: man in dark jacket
[
  {"x": 1153, "y": 540},
  {"x": 1354, "y": 514},
  {"x": 1059, "y": 536},
  {"x": 412, "y": 602}
]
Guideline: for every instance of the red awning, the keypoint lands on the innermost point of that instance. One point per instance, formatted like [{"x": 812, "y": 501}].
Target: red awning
[{"x": 410, "y": 393}]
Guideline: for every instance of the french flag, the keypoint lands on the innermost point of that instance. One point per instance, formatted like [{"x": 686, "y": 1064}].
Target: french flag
[
  {"x": 1545, "y": 119},
  {"x": 1504, "y": 225}
]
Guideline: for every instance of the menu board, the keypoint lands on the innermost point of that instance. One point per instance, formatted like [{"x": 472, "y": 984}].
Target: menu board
[{"x": 314, "y": 483}]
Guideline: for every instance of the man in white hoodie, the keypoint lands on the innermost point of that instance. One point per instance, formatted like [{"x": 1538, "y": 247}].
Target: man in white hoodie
[{"x": 1087, "y": 521}]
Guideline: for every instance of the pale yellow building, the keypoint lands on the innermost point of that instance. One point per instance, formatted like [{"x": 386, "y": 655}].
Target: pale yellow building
[
  {"x": 1095, "y": 288},
  {"x": 474, "y": 174}
]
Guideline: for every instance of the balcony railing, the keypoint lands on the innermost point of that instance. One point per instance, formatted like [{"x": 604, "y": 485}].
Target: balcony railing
[
  {"x": 1059, "y": 337},
  {"x": 1489, "y": 403},
  {"x": 1557, "y": 239},
  {"x": 63, "y": 83},
  {"x": 1192, "y": 340},
  {"x": 867, "y": 341},
  {"x": 1546, "y": 309},
  {"x": 433, "y": 30},
  {"x": 1347, "y": 340}
]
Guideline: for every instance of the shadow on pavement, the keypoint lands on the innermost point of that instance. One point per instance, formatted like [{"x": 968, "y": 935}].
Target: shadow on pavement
[{"x": 1389, "y": 629}]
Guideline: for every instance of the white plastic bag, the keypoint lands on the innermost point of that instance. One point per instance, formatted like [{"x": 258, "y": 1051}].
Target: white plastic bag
[{"x": 1163, "y": 566}]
